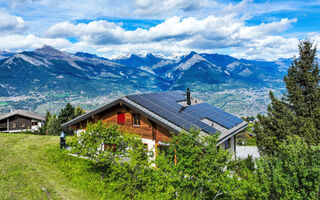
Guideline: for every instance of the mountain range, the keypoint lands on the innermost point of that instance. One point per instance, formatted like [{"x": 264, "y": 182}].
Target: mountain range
[{"x": 46, "y": 79}]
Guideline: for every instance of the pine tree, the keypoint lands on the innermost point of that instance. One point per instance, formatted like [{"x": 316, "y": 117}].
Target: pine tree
[
  {"x": 48, "y": 115},
  {"x": 302, "y": 82},
  {"x": 43, "y": 129},
  {"x": 298, "y": 111},
  {"x": 66, "y": 114}
]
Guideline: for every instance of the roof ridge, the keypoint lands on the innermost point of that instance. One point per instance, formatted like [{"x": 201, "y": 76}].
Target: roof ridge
[
  {"x": 156, "y": 92},
  {"x": 23, "y": 113}
]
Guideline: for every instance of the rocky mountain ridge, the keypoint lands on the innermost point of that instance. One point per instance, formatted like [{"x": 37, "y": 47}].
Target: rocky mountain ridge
[{"x": 237, "y": 85}]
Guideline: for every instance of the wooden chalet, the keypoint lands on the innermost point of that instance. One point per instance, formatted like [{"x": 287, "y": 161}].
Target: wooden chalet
[
  {"x": 157, "y": 116},
  {"x": 20, "y": 120}
]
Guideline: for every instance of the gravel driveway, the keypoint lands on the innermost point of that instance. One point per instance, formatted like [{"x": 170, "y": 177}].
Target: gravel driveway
[{"x": 244, "y": 151}]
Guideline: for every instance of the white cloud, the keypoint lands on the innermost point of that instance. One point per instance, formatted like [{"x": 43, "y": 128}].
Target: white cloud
[
  {"x": 26, "y": 42},
  {"x": 11, "y": 24},
  {"x": 201, "y": 32},
  {"x": 263, "y": 30},
  {"x": 96, "y": 32},
  {"x": 211, "y": 28},
  {"x": 177, "y": 34},
  {"x": 269, "y": 48}
]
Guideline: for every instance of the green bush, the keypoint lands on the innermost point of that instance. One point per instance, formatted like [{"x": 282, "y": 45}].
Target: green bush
[
  {"x": 292, "y": 173},
  {"x": 53, "y": 126},
  {"x": 200, "y": 170}
]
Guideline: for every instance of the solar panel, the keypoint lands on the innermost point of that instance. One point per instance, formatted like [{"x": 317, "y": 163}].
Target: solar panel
[
  {"x": 216, "y": 115},
  {"x": 165, "y": 105}
]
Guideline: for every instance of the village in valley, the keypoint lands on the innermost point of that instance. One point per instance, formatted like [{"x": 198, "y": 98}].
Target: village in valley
[{"x": 159, "y": 100}]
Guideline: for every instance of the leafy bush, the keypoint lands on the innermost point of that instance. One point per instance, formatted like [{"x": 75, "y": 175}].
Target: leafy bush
[
  {"x": 192, "y": 167},
  {"x": 293, "y": 173},
  {"x": 240, "y": 165},
  {"x": 54, "y": 126}
]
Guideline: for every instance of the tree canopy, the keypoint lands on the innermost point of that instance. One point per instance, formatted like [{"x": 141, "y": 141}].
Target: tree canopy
[
  {"x": 53, "y": 126},
  {"x": 78, "y": 111},
  {"x": 66, "y": 114},
  {"x": 298, "y": 111}
]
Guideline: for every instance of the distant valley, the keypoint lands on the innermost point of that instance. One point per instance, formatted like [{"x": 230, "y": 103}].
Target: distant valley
[{"x": 46, "y": 79}]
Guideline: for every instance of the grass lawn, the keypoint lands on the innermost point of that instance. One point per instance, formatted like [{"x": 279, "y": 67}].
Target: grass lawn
[{"x": 33, "y": 167}]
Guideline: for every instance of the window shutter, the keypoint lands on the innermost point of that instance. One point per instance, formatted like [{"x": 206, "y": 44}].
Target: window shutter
[{"x": 121, "y": 118}]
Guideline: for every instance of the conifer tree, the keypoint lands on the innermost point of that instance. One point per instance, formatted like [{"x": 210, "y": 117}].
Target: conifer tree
[
  {"x": 44, "y": 128},
  {"x": 302, "y": 81},
  {"x": 48, "y": 115},
  {"x": 66, "y": 114},
  {"x": 298, "y": 111}
]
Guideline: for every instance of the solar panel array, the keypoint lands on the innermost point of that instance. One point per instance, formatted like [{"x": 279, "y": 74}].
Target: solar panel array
[
  {"x": 165, "y": 105},
  {"x": 204, "y": 110}
]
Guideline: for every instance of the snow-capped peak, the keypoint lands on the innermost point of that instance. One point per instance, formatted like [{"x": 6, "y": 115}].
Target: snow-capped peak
[
  {"x": 28, "y": 59},
  {"x": 194, "y": 59}
]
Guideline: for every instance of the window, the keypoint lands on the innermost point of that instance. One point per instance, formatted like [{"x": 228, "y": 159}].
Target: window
[
  {"x": 227, "y": 143},
  {"x": 14, "y": 125},
  {"x": 23, "y": 125},
  {"x": 136, "y": 119},
  {"x": 163, "y": 149},
  {"x": 34, "y": 123},
  {"x": 121, "y": 118},
  {"x": 145, "y": 146}
]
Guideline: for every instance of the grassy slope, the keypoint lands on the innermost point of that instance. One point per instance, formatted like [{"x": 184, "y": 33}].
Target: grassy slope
[{"x": 33, "y": 167}]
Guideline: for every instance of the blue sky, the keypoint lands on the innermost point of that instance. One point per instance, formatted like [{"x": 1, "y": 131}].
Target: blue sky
[{"x": 244, "y": 29}]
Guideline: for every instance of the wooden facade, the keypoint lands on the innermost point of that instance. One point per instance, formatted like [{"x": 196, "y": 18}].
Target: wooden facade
[
  {"x": 147, "y": 128},
  {"x": 20, "y": 121}
]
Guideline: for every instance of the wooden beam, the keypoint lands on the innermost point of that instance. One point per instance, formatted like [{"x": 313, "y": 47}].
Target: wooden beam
[
  {"x": 156, "y": 149},
  {"x": 175, "y": 157},
  {"x": 155, "y": 153},
  {"x": 125, "y": 109}
]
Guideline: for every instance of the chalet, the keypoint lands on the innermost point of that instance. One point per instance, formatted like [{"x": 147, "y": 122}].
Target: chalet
[
  {"x": 20, "y": 120},
  {"x": 157, "y": 116}
]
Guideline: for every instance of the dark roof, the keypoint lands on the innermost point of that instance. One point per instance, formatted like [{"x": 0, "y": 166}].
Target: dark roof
[
  {"x": 166, "y": 109},
  {"x": 166, "y": 105},
  {"x": 23, "y": 113}
]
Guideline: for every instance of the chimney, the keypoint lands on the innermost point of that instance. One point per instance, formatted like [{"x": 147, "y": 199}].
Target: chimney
[{"x": 188, "y": 97}]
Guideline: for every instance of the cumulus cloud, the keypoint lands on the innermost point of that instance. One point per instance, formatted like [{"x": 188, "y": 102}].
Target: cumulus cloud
[
  {"x": 11, "y": 24},
  {"x": 228, "y": 27},
  {"x": 201, "y": 32},
  {"x": 269, "y": 48},
  {"x": 24, "y": 42},
  {"x": 96, "y": 32},
  {"x": 179, "y": 34}
]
